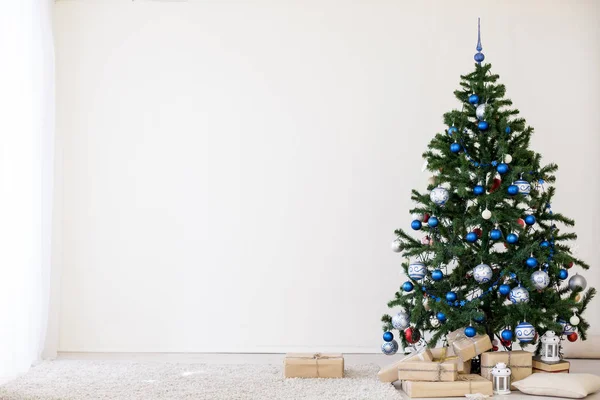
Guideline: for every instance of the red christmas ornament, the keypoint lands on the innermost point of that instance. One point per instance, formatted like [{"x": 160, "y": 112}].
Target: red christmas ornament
[
  {"x": 412, "y": 335},
  {"x": 572, "y": 337},
  {"x": 521, "y": 222},
  {"x": 505, "y": 343},
  {"x": 495, "y": 185},
  {"x": 478, "y": 232},
  {"x": 570, "y": 265},
  {"x": 425, "y": 217},
  {"x": 495, "y": 348}
]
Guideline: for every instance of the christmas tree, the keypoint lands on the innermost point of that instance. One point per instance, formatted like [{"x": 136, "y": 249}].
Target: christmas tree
[{"x": 491, "y": 258}]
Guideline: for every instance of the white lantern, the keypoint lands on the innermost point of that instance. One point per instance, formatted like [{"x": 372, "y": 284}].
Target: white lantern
[
  {"x": 501, "y": 379},
  {"x": 550, "y": 347}
]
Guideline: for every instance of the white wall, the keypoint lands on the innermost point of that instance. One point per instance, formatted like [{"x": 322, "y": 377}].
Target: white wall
[{"x": 234, "y": 170}]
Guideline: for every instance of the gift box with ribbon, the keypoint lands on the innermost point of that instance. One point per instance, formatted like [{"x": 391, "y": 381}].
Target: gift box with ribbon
[
  {"x": 468, "y": 347},
  {"x": 444, "y": 354},
  {"x": 427, "y": 371},
  {"x": 464, "y": 385},
  {"x": 389, "y": 373},
  {"x": 519, "y": 362},
  {"x": 313, "y": 365}
]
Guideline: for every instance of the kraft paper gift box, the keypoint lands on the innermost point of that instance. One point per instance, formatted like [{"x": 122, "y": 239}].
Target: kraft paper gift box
[
  {"x": 560, "y": 367},
  {"x": 443, "y": 354},
  {"x": 390, "y": 372},
  {"x": 466, "y": 384},
  {"x": 430, "y": 371},
  {"x": 519, "y": 362},
  {"x": 468, "y": 347},
  {"x": 313, "y": 365}
]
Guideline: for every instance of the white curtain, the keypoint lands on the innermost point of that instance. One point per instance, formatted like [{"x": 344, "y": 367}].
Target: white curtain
[{"x": 26, "y": 179}]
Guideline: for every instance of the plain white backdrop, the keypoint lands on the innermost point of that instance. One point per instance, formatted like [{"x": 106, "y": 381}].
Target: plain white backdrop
[{"x": 231, "y": 173}]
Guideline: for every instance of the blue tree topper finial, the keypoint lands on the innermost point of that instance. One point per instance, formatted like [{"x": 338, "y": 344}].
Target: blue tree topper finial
[{"x": 479, "y": 55}]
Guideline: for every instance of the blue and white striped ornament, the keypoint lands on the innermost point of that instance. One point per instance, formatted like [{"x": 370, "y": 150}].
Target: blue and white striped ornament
[
  {"x": 525, "y": 332},
  {"x": 439, "y": 195},
  {"x": 482, "y": 273},
  {"x": 540, "y": 279},
  {"x": 523, "y": 185},
  {"x": 567, "y": 328},
  {"x": 417, "y": 270},
  {"x": 519, "y": 295},
  {"x": 389, "y": 348},
  {"x": 401, "y": 321}
]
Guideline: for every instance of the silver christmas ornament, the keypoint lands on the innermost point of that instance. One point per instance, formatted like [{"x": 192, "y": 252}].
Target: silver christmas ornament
[
  {"x": 389, "y": 348},
  {"x": 577, "y": 282},
  {"x": 540, "y": 279},
  {"x": 439, "y": 195},
  {"x": 519, "y": 295},
  {"x": 401, "y": 321},
  {"x": 482, "y": 273},
  {"x": 396, "y": 246},
  {"x": 480, "y": 111},
  {"x": 486, "y": 214}
]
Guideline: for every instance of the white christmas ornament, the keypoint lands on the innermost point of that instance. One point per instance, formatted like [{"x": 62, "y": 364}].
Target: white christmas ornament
[
  {"x": 401, "y": 321},
  {"x": 525, "y": 332},
  {"x": 480, "y": 111},
  {"x": 540, "y": 279},
  {"x": 550, "y": 347},
  {"x": 486, "y": 214},
  {"x": 519, "y": 295},
  {"x": 507, "y": 158},
  {"x": 482, "y": 273},
  {"x": 396, "y": 246},
  {"x": 523, "y": 185},
  {"x": 439, "y": 195},
  {"x": 574, "y": 320},
  {"x": 431, "y": 180},
  {"x": 417, "y": 270},
  {"x": 417, "y": 216},
  {"x": 389, "y": 348}
]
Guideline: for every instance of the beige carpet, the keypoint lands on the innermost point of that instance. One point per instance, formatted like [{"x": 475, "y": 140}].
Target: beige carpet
[{"x": 77, "y": 379}]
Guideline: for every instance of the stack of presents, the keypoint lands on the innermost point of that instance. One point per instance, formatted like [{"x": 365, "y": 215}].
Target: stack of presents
[{"x": 446, "y": 371}]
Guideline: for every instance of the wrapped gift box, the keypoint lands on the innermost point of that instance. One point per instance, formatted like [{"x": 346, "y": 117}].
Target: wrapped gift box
[
  {"x": 519, "y": 362},
  {"x": 468, "y": 347},
  {"x": 541, "y": 366},
  {"x": 446, "y": 354},
  {"x": 313, "y": 365},
  {"x": 466, "y": 384},
  {"x": 390, "y": 372},
  {"x": 427, "y": 371}
]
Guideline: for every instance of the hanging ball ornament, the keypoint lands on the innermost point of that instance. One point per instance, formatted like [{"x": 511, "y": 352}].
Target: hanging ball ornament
[
  {"x": 577, "y": 282},
  {"x": 519, "y": 295},
  {"x": 473, "y": 99},
  {"x": 433, "y": 222},
  {"x": 540, "y": 279},
  {"x": 471, "y": 237},
  {"x": 407, "y": 286},
  {"x": 388, "y": 336},
  {"x": 525, "y": 332},
  {"x": 482, "y": 273},
  {"x": 495, "y": 234},
  {"x": 544, "y": 244},
  {"x": 455, "y": 147},
  {"x": 574, "y": 320},
  {"x": 512, "y": 238},
  {"x": 452, "y": 130},
  {"x": 530, "y": 219},
  {"x": 479, "y": 57},
  {"x": 417, "y": 270},
  {"x": 507, "y": 129},
  {"x": 479, "y": 318},
  {"x": 478, "y": 232},
  {"x": 437, "y": 275},
  {"x": 506, "y": 343},
  {"x": 507, "y": 334},
  {"x": 531, "y": 262},
  {"x": 396, "y": 246},
  {"x": 439, "y": 195},
  {"x": 512, "y": 190},
  {"x": 507, "y": 158},
  {"x": 572, "y": 337},
  {"x": 400, "y": 321},
  {"x": 563, "y": 274},
  {"x": 483, "y": 125},
  {"x": 417, "y": 216},
  {"x": 451, "y": 296},
  {"x": 570, "y": 265},
  {"x": 486, "y": 214},
  {"x": 470, "y": 331},
  {"x": 478, "y": 190},
  {"x": 523, "y": 185},
  {"x": 416, "y": 224},
  {"x": 567, "y": 328},
  {"x": 389, "y": 348},
  {"x": 412, "y": 335},
  {"x": 441, "y": 316},
  {"x": 495, "y": 185},
  {"x": 480, "y": 111},
  {"x": 502, "y": 168},
  {"x": 504, "y": 289}
]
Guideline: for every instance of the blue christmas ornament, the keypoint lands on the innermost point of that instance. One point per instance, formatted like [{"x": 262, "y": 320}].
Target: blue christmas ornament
[
  {"x": 479, "y": 318},
  {"x": 504, "y": 290},
  {"x": 519, "y": 295},
  {"x": 545, "y": 244},
  {"x": 407, "y": 286},
  {"x": 507, "y": 129},
  {"x": 563, "y": 274},
  {"x": 531, "y": 262},
  {"x": 455, "y": 147},
  {"x": 441, "y": 316},
  {"x": 530, "y": 220},
  {"x": 388, "y": 336},
  {"x": 478, "y": 190},
  {"x": 523, "y": 185},
  {"x": 479, "y": 57},
  {"x": 483, "y": 126},
  {"x": 417, "y": 270},
  {"x": 502, "y": 168},
  {"x": 512, "y": 238},
  {"x": 473, "y": 99},
  {"x": 452, "y": 130},
  {"x": 416, "y": 224},
  {"x": 513, "y": 190},
  {"x": 507, "y": 334},
  {"x": 433, "y": 222},
  {"x": 389, "y": 348},
  {"x": 470, "y": 331},
  {"x": 471, "y": 237},
  {"x": 495, "y": 234},
  {"x": 437, "y": 275},
  {"x": 451, "y": 296},
  {"x": 525, "y": 332}
]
